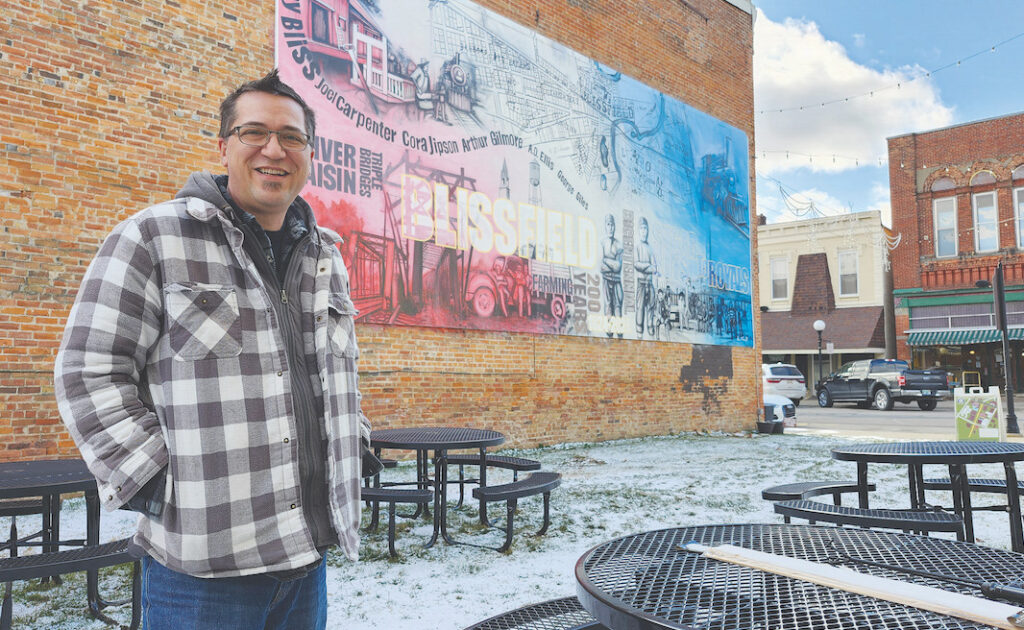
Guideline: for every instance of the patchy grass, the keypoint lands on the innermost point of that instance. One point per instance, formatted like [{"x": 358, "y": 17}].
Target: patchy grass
[{"x": 608, "y": 490}]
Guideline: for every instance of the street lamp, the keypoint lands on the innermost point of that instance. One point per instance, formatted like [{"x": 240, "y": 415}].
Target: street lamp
[
  {"x": 819, "y": 325},
  {"x": 999, "y": 309}
]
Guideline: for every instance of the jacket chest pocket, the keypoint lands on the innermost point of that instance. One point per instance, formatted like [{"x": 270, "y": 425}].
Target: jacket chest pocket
[
  {"x": 341, "y": 328},
  {"x": 203, "y": 321}
]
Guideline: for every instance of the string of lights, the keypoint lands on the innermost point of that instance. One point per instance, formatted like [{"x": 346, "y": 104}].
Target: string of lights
[
  {"x": 835, "y": 158},
  {"x": 896, "y": 86}
]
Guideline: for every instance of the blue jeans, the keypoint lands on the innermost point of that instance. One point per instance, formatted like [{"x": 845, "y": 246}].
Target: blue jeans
[{"x": 175, "y": 601}]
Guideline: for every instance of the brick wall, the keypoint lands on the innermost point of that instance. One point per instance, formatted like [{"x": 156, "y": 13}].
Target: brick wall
[
  {"x": 916, "y": 162},
  {"x": 108, "y": 106}
]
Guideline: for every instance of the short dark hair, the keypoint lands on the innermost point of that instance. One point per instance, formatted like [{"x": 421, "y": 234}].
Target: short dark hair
[{"x": 270, "y": 84}]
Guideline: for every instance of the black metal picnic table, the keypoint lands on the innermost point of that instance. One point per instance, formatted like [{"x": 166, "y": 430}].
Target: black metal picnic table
[
  {"x": 648, "y": 580},
  {"x": 955, "y": 455},
  {"x": 440, "y": 440},
  {"x": 48, "y": 480}
]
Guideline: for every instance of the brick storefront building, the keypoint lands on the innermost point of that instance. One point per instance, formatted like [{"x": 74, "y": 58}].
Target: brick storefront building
[
  {"x": 108, "y": 107},
  {"x": 958, "y": 204}
]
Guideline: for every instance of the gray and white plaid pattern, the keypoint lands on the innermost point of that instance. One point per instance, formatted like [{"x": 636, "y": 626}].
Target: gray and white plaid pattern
[{"x": 172, "y": 356}]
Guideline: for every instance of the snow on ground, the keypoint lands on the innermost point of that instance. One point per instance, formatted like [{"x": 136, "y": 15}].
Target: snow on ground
[{"x": 608, "y": 490}]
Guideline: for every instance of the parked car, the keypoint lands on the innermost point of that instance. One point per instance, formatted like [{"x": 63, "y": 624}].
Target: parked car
[
  {"x": 783, "y": 379},
  {"x": 880, "y": 382},
  {"x": 779, "y": 409}
]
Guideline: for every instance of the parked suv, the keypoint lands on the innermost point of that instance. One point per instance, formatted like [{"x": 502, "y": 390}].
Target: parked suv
[
  {"x": 783, "y": 379},
  {"x": 880, "y": 382}
]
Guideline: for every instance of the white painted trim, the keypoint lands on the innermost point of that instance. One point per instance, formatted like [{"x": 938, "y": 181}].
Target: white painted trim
[{"x": 745, "y": 5}]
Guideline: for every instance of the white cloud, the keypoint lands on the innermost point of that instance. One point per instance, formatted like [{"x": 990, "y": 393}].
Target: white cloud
[
  {"x": 881, "y": 201},
  {"x": 811, "y": 203},
  {"x": 794, "y": 65},
  {"x": 858, "y": 40}
]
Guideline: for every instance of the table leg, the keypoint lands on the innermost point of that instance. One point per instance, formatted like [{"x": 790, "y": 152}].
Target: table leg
[
  {"x": 422, "y": 478},
  {"x": 441, "y": 476},
  {"x": 422, "y": 460},
  {"x": 1013, "y": 502},
  {"x": 915, "y": 476},
  {"x": 862, "y": 483},
  {"x": 51, "y": 530},
  {"x": 962, "y": 498},
  {"x": 92, "y": 537},
  {"x": 483, "y": 484}
]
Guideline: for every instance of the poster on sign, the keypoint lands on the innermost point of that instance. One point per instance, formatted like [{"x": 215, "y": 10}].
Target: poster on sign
[
  {"x": 979, "y": 414},
  {"x": 485, "y": 177}
]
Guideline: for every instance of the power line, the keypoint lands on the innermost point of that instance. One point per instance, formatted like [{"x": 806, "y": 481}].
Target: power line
[{"x": 871, "y": 93}]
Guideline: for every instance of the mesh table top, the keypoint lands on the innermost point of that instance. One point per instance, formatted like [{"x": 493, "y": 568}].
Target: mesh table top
[
  {"x": 646, "y": 581},
  {"x": 36, "y": 478},
  {"x": 931, "y": 452},
  {"x": 435, "y": 438}
]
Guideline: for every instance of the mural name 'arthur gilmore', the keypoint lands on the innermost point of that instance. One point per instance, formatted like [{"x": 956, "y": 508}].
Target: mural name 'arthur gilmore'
[{"x": 485, "y": 177}]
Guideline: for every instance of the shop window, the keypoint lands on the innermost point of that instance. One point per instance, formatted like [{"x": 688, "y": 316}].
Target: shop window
[
  {"x": 780, "y": 277},
  {"x": 944, "y": 217},
  {"x": 986, "y": 222},
  {"x": 848, "y": 284}
]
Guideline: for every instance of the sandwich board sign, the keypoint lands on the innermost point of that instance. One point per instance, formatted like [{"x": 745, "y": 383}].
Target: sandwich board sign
[{"x": 979, "y": 414}]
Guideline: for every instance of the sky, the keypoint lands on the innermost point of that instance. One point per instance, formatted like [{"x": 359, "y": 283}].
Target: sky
[{"x": 893, "y": 68}]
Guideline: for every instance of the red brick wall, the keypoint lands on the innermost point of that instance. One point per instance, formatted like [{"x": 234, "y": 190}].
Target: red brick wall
[
  {"x": 108, "y": 106},
  {"x": 995, "y": 145}
]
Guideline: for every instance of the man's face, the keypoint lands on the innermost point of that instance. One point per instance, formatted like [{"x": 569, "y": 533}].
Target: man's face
[
  {"x": 609, "y": 226},
  {"x": 264, "y": 181},
  {"x": 643, "y": 231}
]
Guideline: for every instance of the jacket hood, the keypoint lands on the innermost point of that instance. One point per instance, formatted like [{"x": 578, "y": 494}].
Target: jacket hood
[
  {"x": 206, "y": 186},
  {"x": 203, "y": 186}
]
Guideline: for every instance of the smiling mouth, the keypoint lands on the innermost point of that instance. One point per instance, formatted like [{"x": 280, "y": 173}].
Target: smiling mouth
[{"x": 266, "y": 170}]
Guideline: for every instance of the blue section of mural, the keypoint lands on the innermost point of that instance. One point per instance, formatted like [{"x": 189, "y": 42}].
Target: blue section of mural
[{"x": 501, "y": 181}]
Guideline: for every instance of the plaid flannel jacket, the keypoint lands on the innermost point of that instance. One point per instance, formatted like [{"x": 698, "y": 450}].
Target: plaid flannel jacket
[{"x": 172, "y": 357}]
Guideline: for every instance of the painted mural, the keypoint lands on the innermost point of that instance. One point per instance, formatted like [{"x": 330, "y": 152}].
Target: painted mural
[{"x": 485, "y": 177}]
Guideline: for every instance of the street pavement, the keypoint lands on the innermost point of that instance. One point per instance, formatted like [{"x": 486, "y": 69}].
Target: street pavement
[{"x": 903, "y": 422}]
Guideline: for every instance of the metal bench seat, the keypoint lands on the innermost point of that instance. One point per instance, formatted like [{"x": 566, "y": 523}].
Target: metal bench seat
[
  {"x": 507, "y": 462},
  {"x": 536, "y": 483},
  {"x": 808, "y": 489},
  {"x": 18, "y": 568},
  {"x": 392, "y": 496},
  {"x": 555, "y": 614},
  {"x": 905, "y": 520},
  {"x": 994, "y": 486},
  {"x": 517, "y": 464}
]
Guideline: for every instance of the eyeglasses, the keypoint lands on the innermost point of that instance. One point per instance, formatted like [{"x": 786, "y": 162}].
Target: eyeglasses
[{"x": 260, "y": 137}]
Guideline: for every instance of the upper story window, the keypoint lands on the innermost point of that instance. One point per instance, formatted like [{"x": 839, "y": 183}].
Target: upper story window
[
  {"x": 1018, "y": 214},
  {"x": 982, "y": 178},
  {"x": 848, "y": 284},
  {"x": 1018, "y": 204},
  {"x": 986, "y": 222},
  {"x": 943, "y": 183},
  {"x": 780, "y": 277},
  {"x": 944, "y": 217}
]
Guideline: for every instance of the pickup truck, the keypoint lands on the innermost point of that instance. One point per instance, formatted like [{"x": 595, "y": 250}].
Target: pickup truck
[{"x": 881, "y": 382}]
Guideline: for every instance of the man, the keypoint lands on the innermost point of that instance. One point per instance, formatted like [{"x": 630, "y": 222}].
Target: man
[
  {"x": 611, "y": 271},
  {"x": 646, "y": 267},
  {"x": 208, "y": 376}
]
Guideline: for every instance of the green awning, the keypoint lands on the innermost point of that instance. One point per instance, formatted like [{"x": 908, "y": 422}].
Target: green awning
[
  {"x": 957, "y": 337},
  {"x": 1015, "y": 333}
]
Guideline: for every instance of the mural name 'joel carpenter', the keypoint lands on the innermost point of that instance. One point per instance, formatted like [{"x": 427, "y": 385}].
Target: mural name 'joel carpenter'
[{"x": 485, "y": 177}]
